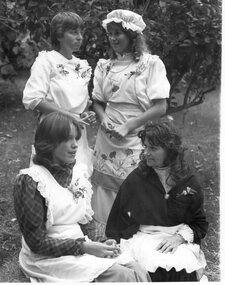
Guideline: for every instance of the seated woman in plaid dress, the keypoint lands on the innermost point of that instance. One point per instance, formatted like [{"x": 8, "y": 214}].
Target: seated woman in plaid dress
[{"x": 52, "y": 199}]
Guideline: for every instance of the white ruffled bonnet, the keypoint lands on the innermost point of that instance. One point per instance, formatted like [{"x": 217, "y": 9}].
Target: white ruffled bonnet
[{"x": 128, "y": 19}]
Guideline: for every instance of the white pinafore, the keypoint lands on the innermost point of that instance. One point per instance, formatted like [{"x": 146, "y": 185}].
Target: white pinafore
[{"x": 63, "y": 215}]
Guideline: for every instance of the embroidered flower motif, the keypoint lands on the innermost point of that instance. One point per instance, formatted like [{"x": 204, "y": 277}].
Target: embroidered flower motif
[
  {"x": 128, "y": 151},
  {"x": 61, "y": 69},
  {"x": 86, "y": 73},
  {"x": 117, "y": 165},
  {"x": 115, "y": 88},
  {"x": 104, "y": 156},
  {"x": 130, "y": 74},
  {"x": 140, "y": 68},
  {"x": 108, "y": 67},
  {"x": 187, "y": 191},
  {"x": 77, "y": 190},
  {"x": 112, "y": 154},
  {"x": 77, "y": 67}
]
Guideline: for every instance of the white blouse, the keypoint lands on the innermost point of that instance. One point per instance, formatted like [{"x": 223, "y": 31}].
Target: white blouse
[
  {"x": 125, "y": 81},
  {"x": 59, "y": 80}
]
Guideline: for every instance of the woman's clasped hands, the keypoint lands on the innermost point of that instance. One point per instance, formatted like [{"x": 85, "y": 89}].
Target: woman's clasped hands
[
  {"x": 112, "y": 130},
  {"x": 109, "y": 249},
  {"x": 88, "y": 117}
]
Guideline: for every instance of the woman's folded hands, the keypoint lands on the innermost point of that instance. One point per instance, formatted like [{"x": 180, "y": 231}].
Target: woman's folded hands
[{"x": 108, "y": 249}]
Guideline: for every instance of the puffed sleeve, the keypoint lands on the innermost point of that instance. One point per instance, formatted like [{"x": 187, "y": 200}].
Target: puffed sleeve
[
  {"x": 37, "y": 86},
  {"x": 99, "y": 74},
  {"x": 158, "y": 86}
]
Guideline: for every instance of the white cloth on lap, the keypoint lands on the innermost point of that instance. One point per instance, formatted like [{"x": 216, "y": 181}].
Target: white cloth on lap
[{"x": 142, "y": 247}]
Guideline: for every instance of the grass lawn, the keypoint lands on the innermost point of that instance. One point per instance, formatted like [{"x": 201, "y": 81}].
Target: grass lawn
[{"x": 200, "y": 127}]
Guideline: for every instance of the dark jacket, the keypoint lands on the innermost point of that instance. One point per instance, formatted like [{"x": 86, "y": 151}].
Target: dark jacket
[{"x": 141, "y": 200}]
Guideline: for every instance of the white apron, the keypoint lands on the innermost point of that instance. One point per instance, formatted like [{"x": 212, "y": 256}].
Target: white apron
[
  {"x": 142, "y": 247},
  {"x": 63, "y": 215}
]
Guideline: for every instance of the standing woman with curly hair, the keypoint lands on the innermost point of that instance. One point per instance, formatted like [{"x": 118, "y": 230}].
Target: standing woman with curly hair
[
  {"x": 158, "y": 213},
  {"x": 130, "y": 88}
]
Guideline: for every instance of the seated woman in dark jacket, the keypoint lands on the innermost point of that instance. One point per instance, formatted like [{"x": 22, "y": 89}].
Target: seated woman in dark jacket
[{"x": 158, "y": 213}]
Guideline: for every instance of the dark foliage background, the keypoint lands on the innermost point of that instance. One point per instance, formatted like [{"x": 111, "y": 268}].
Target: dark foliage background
[{"x": 185, "y": 34}]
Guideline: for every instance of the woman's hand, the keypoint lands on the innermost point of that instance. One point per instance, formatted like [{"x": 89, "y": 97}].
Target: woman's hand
[
  {"x": 75, "y": 117},
  {"x": 88, "y": 117},
  {"x": 121, "y": 131},
  {"x": 106, "y": 125},
  {"x": 113, "y": 242},
  {"x": 100, "y": 249},
  {"x": 170, "y": 244}
]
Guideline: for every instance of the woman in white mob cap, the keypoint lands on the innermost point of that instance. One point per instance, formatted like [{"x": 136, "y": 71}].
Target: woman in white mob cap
[{"x": 130, "y": 88}]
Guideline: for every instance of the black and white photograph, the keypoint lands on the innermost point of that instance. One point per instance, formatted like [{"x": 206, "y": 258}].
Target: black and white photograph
[{"x": 111, "y": 141}]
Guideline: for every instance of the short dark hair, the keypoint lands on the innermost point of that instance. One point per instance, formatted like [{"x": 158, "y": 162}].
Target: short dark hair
[
  {"x": 163, "y": 133},
  {"x": 62, "y": 22},
  {"x": 52, "y": 130}
]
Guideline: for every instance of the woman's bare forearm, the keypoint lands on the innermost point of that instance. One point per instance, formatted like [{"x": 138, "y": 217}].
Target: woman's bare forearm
[
  {"x": 156, "y": 111},
  {"x": 48, "y": 107},
  {"x": 99, "y": 109}
]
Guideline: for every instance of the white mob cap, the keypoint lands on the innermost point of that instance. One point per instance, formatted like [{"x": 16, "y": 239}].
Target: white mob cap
[{"x": 128, "y": 19}]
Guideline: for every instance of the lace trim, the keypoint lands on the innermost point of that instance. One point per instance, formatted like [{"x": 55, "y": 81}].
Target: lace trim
[
  {"x": 186, "y": 232},
  {"x": 41, "y": 187}
]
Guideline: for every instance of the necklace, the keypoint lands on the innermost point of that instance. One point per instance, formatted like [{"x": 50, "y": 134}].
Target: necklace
[{"x": 120, "y": 70}]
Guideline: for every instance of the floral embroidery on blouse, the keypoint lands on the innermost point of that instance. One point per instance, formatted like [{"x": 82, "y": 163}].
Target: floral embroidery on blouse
[
  {"x": 140, "y": 68},
  {"x": 77, "y": 69},
  {"x": 86, "y": 73},
  {"x": 77, "y": 190},
  {"x": 61, "y": 69},
  {"x": 187, "y": 191},
  {"x": 108, "y": 67}
]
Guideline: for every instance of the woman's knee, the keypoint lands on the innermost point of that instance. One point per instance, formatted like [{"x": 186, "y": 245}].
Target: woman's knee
[{"x": 122, "y": 273}]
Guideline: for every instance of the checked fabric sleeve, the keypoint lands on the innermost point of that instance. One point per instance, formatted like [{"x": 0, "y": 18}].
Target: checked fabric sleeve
[{"x": 31, "y": 212}]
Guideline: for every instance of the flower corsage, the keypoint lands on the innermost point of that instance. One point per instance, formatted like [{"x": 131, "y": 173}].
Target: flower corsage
[
  {"x": 77, "y": 189},
  {"x": 187, "y": 191}
]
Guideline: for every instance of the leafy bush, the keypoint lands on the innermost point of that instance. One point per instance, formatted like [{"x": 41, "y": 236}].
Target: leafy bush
[{"x": 185, "y": 34}]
